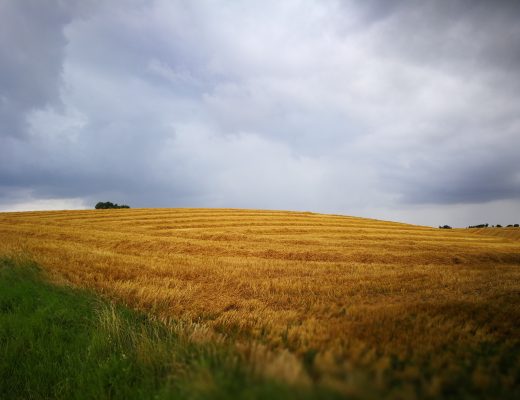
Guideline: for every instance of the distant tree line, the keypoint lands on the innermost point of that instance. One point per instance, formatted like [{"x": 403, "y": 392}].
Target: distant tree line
[
  {"x": 479, "y": 226},
  {"x": 494, "y": 226},
  {"x": 108, "y": 204},
  {"x": 483, "y": 226}
]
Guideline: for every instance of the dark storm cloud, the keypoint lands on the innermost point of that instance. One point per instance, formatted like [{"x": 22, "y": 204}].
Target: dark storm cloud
[
  {"x": 31, "y": 57},
  {"x": 31, "y": 47},
  {"x": 356, "y": 107},
  {"x": 468, "y": 149},
  {"x": 449, "y": 34},
  {"x": 462, "y": 180}
]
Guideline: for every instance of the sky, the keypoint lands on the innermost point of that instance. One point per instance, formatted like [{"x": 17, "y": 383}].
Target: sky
[{"x": 397, "y": 110}]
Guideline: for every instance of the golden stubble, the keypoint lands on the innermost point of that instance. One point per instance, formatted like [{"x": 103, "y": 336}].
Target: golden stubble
[{"x": 286, "y": 286}]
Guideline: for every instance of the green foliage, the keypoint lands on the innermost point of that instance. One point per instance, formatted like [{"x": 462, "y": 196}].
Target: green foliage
[
  {"x": 63, "y": 343},
  {"x": 108, "y": 204}
]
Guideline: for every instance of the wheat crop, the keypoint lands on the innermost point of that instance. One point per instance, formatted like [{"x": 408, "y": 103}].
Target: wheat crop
[{"x": 308, "y": 297}]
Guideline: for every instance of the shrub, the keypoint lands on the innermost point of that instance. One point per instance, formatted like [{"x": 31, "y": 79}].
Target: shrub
[
  {"x": 108, "y": 204},
  {"x": 445, "y": 227}
]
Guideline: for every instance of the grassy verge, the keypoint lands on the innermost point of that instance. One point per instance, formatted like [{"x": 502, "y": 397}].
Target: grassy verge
[{"x": 63, "y": 343}]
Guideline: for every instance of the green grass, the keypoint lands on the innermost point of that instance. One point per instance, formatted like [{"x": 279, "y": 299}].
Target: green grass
[{"x": 63, "y": 343}]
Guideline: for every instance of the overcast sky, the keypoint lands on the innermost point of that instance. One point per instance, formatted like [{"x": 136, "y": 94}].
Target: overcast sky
[{"x": 399, "y": 110}]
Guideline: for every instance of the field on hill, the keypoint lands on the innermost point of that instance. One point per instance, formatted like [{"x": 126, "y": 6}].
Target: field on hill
[
  {"x": 362, "y": 306},
  {"x": 506, "y": 233}
]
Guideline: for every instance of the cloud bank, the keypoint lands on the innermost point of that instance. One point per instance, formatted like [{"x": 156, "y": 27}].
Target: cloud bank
[{"x": 406, "y": 111}]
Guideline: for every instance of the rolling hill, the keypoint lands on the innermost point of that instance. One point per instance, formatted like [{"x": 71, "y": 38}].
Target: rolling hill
[
  {"x": 359, "y": 305},
  {"x": 506, "y": 233}
]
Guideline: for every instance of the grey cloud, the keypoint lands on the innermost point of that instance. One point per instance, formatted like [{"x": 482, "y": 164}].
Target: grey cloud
[
  {"x": 31, "y": 57},
  {"x": 31, "y": 47},
  {"x": 467, "y": 180},
  {"x": 329, "y": 106}
]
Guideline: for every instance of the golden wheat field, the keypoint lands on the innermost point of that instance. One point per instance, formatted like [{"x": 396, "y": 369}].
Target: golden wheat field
[{"x": 343, "y": 301}]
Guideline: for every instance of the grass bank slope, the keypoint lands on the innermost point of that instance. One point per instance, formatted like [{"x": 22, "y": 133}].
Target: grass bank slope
[{"x": 364, "y": 306}]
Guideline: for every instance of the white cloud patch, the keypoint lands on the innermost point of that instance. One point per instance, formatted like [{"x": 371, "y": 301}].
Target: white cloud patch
[{"x": 44, "y": 204}]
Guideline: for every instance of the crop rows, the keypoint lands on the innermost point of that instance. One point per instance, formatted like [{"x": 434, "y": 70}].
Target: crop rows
[{"x": 341, "y": 299}]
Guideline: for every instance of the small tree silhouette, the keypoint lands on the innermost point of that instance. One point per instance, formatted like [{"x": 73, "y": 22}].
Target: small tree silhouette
[{"x": 108, "y": 204}]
